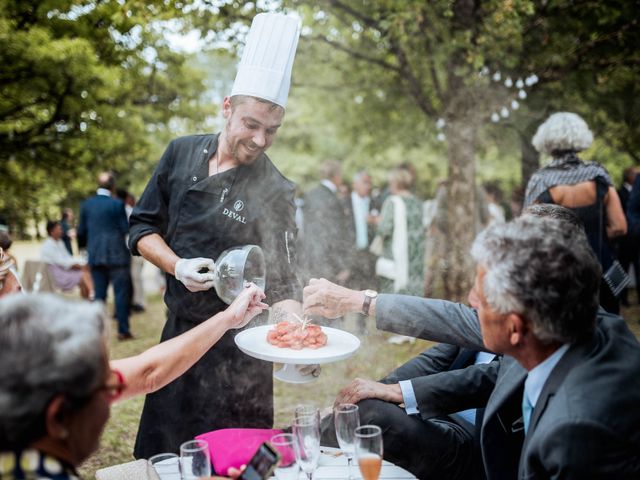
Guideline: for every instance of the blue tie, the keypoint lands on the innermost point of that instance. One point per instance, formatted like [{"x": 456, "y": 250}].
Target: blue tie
[{"x": 527, "y": 408}]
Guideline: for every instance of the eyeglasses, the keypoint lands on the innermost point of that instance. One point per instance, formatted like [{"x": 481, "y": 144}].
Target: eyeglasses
[{"x": 114, "y": 386}]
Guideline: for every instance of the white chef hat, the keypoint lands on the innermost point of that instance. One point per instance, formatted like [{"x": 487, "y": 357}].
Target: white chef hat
[{"x": 265, "y": 68}]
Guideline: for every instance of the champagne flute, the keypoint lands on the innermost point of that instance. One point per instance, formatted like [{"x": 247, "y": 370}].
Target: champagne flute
[
  {"x": 347, "y": 419},
  {"x": 305, "y": 410},
  {"x": 195, "y": 460},
  {"x": 369, "y": 451},
  {"x": 306, "y": 430},
  {"x": 287, "y": 468}
]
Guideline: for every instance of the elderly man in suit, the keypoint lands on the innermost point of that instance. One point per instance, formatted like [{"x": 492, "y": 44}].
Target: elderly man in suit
[
  {"x": 102, "y": 230},
  {"x": 564, "y": 404}
]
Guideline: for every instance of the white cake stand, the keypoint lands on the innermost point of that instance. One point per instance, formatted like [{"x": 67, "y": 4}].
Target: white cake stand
[{"x": 340, "y": 345}]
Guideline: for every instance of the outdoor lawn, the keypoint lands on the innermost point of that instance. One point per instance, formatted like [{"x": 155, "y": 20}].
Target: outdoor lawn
[{"x": 374, "y": 358}]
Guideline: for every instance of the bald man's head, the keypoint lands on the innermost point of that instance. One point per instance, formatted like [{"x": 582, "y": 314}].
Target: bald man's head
[{"x": 106, "y": 180}]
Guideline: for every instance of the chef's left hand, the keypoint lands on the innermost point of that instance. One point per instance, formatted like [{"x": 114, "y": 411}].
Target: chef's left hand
[{"x": 360, "y": 388}]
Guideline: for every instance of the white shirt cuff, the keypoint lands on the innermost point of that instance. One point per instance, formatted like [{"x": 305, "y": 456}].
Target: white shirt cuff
[{"x": 409, "y": 397}]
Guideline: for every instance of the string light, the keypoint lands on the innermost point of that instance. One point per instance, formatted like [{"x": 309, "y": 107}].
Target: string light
[{"x": 520, "y": 84}]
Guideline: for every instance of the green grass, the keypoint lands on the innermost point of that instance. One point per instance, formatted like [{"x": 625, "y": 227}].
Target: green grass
[{"x": 373, "y": 360}]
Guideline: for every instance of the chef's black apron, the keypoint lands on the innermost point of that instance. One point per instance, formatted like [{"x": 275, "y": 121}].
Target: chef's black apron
[{"x": 225, "y": 388}]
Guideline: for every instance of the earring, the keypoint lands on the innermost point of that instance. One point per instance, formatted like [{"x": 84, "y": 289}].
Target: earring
[{"x": 63, "y": 434}]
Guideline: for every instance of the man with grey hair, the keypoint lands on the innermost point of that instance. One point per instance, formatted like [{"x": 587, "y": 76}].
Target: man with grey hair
[
  {"x": 362, "y": 228},
  {"x": 565, "y": 398}
]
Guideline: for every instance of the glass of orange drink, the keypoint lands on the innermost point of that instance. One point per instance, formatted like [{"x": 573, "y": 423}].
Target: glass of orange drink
[{"x": 369, "y": 451}]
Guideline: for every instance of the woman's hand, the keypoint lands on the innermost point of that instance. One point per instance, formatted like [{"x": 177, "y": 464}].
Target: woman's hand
[{"x": 246, "y": 306}]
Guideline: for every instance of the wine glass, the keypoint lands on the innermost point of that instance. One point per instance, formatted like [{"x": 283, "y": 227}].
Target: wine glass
[
  {"x": 347, "y": 419},
  {"x": 195, "y": 460},
  {"x": 369, "y": 451},
  {"x": 287, "y": 468},
  {"x": 307, "y": 410},
  {"x": 306, "y": 430}
]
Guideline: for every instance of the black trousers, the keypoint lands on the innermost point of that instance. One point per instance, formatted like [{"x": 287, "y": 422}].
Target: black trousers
[
  {"x": 224, "y": 389},
  {"x": 432, "y": 449}
]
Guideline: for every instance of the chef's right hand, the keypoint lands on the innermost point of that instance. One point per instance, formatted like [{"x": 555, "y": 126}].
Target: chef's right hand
[{"x": 187, "y": 271}]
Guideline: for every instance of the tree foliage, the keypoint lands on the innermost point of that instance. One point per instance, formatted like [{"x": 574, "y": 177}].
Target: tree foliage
[{"x": 85, "y": 86}]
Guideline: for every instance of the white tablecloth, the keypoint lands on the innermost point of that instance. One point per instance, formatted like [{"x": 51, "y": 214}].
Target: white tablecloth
[{"x": 333, "y": 465}]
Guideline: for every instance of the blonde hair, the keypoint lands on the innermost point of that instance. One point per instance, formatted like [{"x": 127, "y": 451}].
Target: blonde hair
[
  {"x": 562, "y": 131},
  {"x": 400, "y": 178}
]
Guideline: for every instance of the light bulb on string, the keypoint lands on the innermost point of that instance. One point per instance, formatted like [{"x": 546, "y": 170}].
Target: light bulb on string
[
  {"x": 504, "y": 112},
  {"x": 522, "y": 94},
  {"x": 441, "y": 137},
  {"x": 440, "y": 123},
  {"x": 508, "y": 82},
  {"x": 515, "y": 105},
  {"x": 519, "y": 83},
  {"x": 496, "y": 77},
  {"x": 495, "y": 118}
]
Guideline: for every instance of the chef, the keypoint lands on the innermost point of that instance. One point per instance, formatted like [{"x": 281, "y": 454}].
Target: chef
[{"x": 209, "y": 193}]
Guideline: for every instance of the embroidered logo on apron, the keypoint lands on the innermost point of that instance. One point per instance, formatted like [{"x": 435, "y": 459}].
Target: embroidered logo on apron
[{"x": 238, "y": 206}]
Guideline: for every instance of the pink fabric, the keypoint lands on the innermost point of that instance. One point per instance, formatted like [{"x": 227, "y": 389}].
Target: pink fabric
[
  {"x": 233, "y": 447},
  {"x": 65, "y": 279}
]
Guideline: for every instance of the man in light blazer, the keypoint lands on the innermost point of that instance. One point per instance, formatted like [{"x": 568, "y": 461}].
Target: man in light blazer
[
  {"x": 566, "y": 391},
  {"x": 102, "y": 230}
]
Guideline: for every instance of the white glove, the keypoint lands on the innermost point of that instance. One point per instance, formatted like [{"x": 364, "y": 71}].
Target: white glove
[{"x": 187, "y": 271}]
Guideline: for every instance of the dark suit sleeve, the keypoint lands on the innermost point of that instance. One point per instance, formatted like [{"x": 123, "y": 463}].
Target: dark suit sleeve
[
  {"x": 433, "y": 360},
  {"x": 580, "y": 450},
  {"x": 429, "y": 319},
  {"x": 151, "y": 213},
  {"x": 450, "y": 392}
]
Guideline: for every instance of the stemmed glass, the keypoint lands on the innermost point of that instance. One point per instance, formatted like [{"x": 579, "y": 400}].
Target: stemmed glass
[
  {"x": 369, "y": 451},
  {"x": 306, "y": 430},
  {"x": 347, "y": 419},
  {"x": 307, "y": 410},
  {"x": 287, "y": 468},
  {"x": 195, "y": 460}
]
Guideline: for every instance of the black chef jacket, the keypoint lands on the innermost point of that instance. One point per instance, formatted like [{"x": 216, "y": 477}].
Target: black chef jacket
[{"x": 200, "y": 216}]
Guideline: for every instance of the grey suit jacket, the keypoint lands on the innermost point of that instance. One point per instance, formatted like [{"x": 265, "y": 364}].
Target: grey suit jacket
[{"x": 586, "y": 423}]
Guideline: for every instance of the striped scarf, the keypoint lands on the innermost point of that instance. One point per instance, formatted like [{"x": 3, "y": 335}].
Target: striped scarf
[{"x": 565, "y": 170}]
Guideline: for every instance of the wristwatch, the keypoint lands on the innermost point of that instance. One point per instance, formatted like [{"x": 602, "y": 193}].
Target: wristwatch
[{"x": 369, "y": 295}]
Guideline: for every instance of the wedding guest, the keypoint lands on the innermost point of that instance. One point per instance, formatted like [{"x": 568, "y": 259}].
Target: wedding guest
[
  {"x": 67, "y": 271},
  {"x": 57, "y": 383},
  {"x": 68, "y": 231},
  {"x": 585, "y": 188},
  {"x": 400, "y": 227}
]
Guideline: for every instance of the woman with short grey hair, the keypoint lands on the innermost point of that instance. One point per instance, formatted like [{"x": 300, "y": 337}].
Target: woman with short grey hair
[
  {"x": 584, "y": 187},
  {"x": 57, "y": 384}
]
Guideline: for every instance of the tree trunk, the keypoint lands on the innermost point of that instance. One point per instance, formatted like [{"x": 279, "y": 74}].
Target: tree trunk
[{"x": 461, "y": 208}]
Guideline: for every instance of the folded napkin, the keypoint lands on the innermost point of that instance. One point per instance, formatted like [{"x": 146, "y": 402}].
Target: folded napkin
[
  {"x": 233, "y": 447},
  {"x": 136, "y": 470}
]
